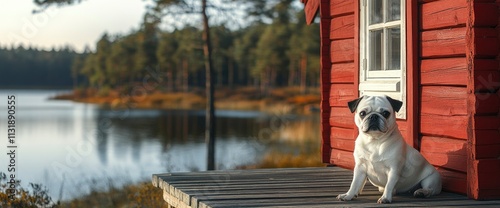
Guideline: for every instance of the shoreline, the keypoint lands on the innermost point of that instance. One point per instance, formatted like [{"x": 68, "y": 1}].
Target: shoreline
[{"x": 279, "y": 100}]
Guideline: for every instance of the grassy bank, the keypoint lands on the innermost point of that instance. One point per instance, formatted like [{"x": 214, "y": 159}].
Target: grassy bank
[{"x": 246, "y": 98}]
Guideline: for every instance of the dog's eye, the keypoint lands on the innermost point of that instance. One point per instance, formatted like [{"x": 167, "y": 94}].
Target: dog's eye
[
  {"x": 362, "y": 114},
  {"x": 386, "y": 114}
]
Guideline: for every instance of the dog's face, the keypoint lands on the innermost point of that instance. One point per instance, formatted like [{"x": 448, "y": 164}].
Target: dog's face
[{"x": 375, "y": 115}]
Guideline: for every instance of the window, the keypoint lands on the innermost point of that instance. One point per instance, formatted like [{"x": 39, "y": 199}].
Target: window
[{"x": 383, "y": 50}]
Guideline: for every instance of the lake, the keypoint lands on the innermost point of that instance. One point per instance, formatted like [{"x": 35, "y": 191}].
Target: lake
[{"x": 73, "y": 148}]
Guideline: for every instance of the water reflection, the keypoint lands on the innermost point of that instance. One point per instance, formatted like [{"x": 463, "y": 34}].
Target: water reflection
[{"x": 69, "y": 146}]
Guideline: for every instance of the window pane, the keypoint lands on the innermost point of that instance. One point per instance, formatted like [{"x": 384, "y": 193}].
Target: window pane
[
  {"x": 375, "y": 11},
  {"x": 375, "y": 51},
  {"x": 394, "y": 48},
  {"x": 394, "y": 10}
]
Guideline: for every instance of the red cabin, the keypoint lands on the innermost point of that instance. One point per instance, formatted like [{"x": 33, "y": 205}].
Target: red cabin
[{"x": 440, "y": 57}]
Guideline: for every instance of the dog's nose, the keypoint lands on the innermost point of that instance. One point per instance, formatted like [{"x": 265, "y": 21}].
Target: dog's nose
[
  {"x": 372, "y": 118},
  {"x": 373, "y": 123}
]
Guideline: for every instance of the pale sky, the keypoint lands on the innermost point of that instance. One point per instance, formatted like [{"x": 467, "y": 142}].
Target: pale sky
[{"x": 77, "y": 25}]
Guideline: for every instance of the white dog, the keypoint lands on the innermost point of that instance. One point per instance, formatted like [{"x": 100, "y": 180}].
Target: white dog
[{"x": 383, "y": 157}]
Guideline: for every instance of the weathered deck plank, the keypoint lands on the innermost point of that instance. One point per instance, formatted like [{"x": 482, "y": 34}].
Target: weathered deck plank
[{"x": 290, "y": 187}]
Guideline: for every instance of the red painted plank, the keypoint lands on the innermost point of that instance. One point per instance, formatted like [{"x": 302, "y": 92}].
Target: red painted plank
[
  {"x": 325, "y": 137},
  {"x": 486, "y": 42},
  {"x": 356, "y": 41},
  {"x": 425, "y": 1},
  {"x": 342, "y": 144},
  {"x": 488, "y": 171},
  {"x": 343, "y": 133},
  {"x": 342, "y": 158},
  {"x": 325, "y": 47},
  {"x": 324, "y": 10},
  {"x": 485, "y": 137},
  {"x": 402, "y": 125},
  {"x": 326, "y": 151},
  {"x": 486, "y": 74},
  {"x": 342, "y": 138},
  {"x": 444, "y": 71},
  {"x": 412, "y": 72},
  {"x": 342, "y": 27},
  {"x": 340, "y": 94},
  {"x": 486, "y": 64},
  {"x": 443, "y": 43},
  {"x": 486, "y": 122},
  {"x": 444, "y": 100},
  {"x": 444, "y": 14},
  {"x": 487, "y": 104},
  {"x": 445, "y": 153},
  {"x": 342, "y": 72},
  {"x": 483, "y": 42},
  {"x": 485, "y": 141},
  {"x": 311, "y": 9},
  {"x": 488, "y": 194},
  {"x": 341, "y": 7},
  {"x": 486, "y": 81},
  {"x": 453, "y": 181},
  {"x": 490, "y": 151},
  {"x": 444, "y": 126},
  {"x": 342, "y": 51},
  {"x": 483, "y": 13},
  {"x": 324, "y": 25},
  {"x": 341, "y": 117}
]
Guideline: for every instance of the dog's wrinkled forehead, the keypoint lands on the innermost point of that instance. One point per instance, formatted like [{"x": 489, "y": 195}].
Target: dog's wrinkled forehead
[
  {"x": 375, "y": 103},
  {"x": 380, "y": 101}
]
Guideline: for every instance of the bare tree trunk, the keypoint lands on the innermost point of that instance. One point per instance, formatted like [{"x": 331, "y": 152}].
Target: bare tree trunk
[
  {"x": 170, "y": 80},
  {"x": 210, "y": 109},
  {"x": 272, "y": 81},
  {"x": 263, "y": 82},
  {"x": 178, "y": 78},
  {"x": 291, "y": 75},
  {"x": 185, "y": 66},
  {"x": 75, "y": 81},
  {"x": 303, "y": 72},
  {"x": 230, "y": 74}
]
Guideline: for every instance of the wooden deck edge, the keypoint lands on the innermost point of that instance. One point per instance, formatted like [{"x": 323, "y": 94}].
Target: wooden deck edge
[
  {"x": 173, "y": 201},
  {"x": 284, "y": 187}
]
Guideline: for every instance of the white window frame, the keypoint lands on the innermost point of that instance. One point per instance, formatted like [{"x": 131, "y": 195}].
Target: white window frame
[{"x": 383, "y": 82}]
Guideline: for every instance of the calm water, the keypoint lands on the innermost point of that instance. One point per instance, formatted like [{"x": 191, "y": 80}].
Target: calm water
[{"x": 70, "y": 147}]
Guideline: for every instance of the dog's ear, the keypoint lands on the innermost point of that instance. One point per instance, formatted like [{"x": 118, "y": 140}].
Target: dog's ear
[
  {"x": 354, "y": 104},
  {"x": 396, "y": 104}
]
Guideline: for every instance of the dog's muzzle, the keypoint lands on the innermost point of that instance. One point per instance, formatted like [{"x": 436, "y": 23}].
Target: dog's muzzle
[{"x": 375, "y": 123}]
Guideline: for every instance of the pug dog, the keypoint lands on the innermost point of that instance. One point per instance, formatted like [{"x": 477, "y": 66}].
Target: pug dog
[{"x": 382, "y": 156}]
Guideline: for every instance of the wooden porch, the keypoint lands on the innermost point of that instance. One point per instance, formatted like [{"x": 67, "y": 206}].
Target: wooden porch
[{"x": 288, "y": 187}]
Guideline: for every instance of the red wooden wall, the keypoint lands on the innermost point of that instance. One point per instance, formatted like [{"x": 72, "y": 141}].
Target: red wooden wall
[
  {"x": 443, "y": 89},
  {"x": 453, "y": 88},
  {"x": 459, "y": 82},
  {"x": 483, "y": 166},
  {"x": 340, "y": 81}
]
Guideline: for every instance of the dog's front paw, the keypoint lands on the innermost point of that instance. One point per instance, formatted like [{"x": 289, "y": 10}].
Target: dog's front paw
[
  {"x": 384, "y": 200},
  {"x": 344, "y": 197},
  {"x": 422, "y": 193}
]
